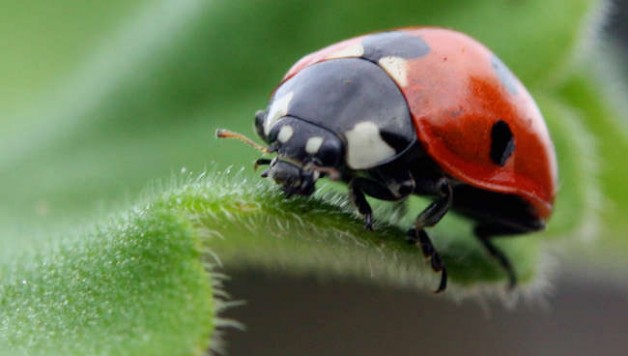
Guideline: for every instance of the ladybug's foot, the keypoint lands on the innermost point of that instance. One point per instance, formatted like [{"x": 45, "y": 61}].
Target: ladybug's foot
[
  {"x": 359, "y": 200},
  {"x": 512, "y": 281},
  {"x": 368, "y": 221},
  {"x": 422, "y": 240}
]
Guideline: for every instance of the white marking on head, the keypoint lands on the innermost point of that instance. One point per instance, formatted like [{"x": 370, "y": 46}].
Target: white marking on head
[
  {"x": 397, "y": 68},
  {"x": 285, "y": 133},
  {"x": 365, "y": 146},
  {"x": 355, "y": 50},
  {"x": 278, "y": 109},
  {"x": 313, "y": 144}
]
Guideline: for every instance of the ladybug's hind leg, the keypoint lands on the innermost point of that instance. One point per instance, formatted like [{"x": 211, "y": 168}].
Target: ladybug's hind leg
[
  {"x": 487, "y": 232},
  {"x": 497, "y": 215}
]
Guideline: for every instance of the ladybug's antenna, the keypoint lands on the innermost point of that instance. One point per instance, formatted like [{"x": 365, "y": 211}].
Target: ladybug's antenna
[{"x": 223, "y": 133}]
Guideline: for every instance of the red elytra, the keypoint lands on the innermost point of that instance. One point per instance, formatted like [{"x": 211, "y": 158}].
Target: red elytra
[{"x": 450, "y": 93}]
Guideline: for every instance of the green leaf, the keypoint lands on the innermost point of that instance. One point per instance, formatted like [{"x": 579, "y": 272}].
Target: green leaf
[{"x": 135, "y": 285}]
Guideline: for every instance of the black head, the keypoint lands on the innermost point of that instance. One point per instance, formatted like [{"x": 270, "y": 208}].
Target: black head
[{"x": 305, "y": 152}]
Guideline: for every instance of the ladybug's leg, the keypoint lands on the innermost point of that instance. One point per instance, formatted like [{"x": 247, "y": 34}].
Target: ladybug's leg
[
  {"x": 360, "y": 186},
  {"x": 261, "y": 162},
  {"x": 422, "y": 240},
  {"x": 429, "y": 217},
  {"x": 438, "y": 208},
  {"x": 485, "y": 233},
  {"x": 497, "y": 215}
]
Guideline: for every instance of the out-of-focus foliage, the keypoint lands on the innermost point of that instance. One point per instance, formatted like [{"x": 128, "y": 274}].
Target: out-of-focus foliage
[
  {"x": 146, "y": 100},
  {"x": 99, "y": 101}
]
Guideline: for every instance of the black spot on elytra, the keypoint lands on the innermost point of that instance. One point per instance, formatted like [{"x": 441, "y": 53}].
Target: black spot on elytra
[
  {"x": 505, "y": 76},
  {"x": 502, "y": 143},
  {"x": 393, "y": 44}
]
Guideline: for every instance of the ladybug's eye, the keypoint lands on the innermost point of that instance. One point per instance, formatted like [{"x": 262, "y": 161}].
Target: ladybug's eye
[{"x": 502, "y": 143}]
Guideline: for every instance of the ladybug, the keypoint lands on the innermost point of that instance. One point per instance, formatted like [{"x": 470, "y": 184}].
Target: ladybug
[{"x": 421, "y": 110}]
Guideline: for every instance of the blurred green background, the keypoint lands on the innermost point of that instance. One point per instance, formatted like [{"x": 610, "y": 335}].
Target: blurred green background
[{"x": 99, "y": 100}]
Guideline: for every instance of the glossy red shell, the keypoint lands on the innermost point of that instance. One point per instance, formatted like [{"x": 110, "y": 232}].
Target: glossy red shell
[{"x": 454, "y": 94}]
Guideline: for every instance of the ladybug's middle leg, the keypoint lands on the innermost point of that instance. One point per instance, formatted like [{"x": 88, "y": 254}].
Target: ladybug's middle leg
[
  {"x": 431, "y": 215},
  {"x": 427, "y": 218}
]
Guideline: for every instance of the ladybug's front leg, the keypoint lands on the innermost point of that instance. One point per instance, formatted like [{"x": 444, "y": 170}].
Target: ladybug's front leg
[
  {"x": 427, "y": 218},
  {"x": 393, "y": 190},
  {"x": 360, "y": 202}
]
